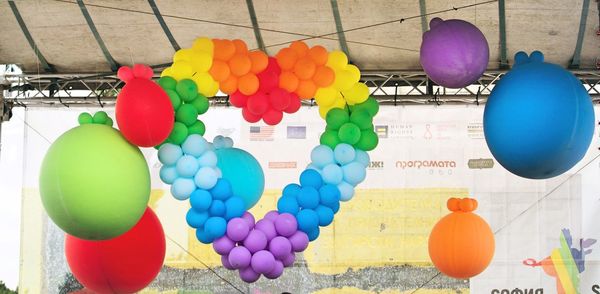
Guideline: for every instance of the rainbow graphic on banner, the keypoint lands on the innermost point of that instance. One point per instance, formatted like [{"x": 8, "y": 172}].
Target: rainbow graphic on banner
[{"x": 565, "y": 263}]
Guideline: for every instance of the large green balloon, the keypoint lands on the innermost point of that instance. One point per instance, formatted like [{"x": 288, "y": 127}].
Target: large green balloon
[{"x": 94, "y": 184}]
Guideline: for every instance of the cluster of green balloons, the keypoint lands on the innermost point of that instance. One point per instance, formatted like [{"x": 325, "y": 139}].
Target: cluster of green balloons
[
  {"x": 188, "y": 104},
  {"x": 100, "y": 118},
  {"x": 352, "y": 125}
]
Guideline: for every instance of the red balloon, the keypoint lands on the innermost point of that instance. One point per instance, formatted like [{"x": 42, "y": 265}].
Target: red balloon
[
  {"x": 269, "y": 78},
  {"x": 279, "y": 98},
  {"x": 272, "y": 117},
  {"x": 294, "y": 103},
  {"x": 258, "y": 103},
  {"x": 249, "y": 116},
  {"x": 238, "y": 99},
  {"x": 125, "y": 264},
  {"x": 144, "y": 113}
]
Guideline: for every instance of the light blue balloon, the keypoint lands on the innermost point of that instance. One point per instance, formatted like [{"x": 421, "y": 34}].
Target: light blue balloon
[
  {"x": 196, "y": 219},
  {"x": 215, "y": 227},
  {"x": 200, "y": 200},
  {"x": 243, "y": 172},
  {"x": 168, "y": 174},
  {"x": 227, "y": 142},
  {"x": 219, "y": 142},
  {"x": 308, "y": 220},
  {"x": 187, "y": 166},
  {"x": 362, "y": 157},
  {"x": 313, "y": 167},
  {"x": 194, "y": 145},
  {"x": 288, "y": 204},
  {"x": 321, "y": 156},
  {"x": 234, "y": 207},
  {"x": 325, "y": 215},
  {"x": 206, "y": 178},
  {"x": 208, "y": 158},
  {"x": 182, "y": 188},
  {"x": 344, "y": 153},
  {"x": 168, "y": 154},
  {"x": 346, "y": 191},
  {"x": 332, "y": 174},
  {"x": 354, "y": 173}
]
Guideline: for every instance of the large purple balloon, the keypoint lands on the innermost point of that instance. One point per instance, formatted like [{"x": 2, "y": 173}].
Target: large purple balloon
[
  {"x": 248, "y": 275},
  {"x": 280, "y": 247},
  {"x": 299, "y": 241},
  {"x": 263, "y": 262},
  {"x": 276, "y": 271},
  {"x": 223, "y": 245},
  {"x": 286, "y": 224},
  {"x": 454, "y": 53},
  {"x": 256, "y": 240},
  {"x": 239, "y": 257},
  {"x": 238, "y": 229}
]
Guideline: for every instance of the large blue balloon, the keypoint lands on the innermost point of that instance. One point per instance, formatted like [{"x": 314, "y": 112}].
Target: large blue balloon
[
  {"x": 539, "y": 119},
  {"x": 243, "y": 172}
]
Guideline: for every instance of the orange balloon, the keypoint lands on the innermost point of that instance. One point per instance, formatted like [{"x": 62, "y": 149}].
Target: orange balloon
[
  {"x": 461, "y": 244},
  {"x": 240, "y": 46},
  {"x": 224, "y": 49},
  {"x": 286, "y": 58},
  {"x": 300, "y": 47},
  {"x": 248, "y": 84},
  {"x": 318, "y": 54},
  {"x": 306, "y": 89},
  {"x": 219, "y": 70},
  {"x": 229, "y": 86},
  {"x": 324, "y": 76},
  {"x": 304, "y": 68},
  {"x": 288, "y": 81},
  {"x": 259, "y": 59},
  {"x": 240, "y": 64}
]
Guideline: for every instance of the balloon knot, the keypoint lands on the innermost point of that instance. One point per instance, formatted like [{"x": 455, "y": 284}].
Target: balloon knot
[
  {"x": 462, "y": 205},
  {"x": 99, "y": 118},
  {"x": 220, "y": 142},
  {"x": 140, "y": 71}
]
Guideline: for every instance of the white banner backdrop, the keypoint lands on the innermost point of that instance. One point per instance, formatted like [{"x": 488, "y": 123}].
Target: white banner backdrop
[{"x": 425, "y": 148}]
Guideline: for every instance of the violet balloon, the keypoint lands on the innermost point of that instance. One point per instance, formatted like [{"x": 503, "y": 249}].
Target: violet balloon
[
  {"x": 299, "y": 241},
  {"x": 223, "y": 245},
  {"x": 256, "y": 240},
  {"x": 239, "y": 257},
  {"x": 225, "y": 262},
  {"x": 248, "y": 275},
  {"x": 263, "y": 262},
  {"x": 268, "y": 227},
  {"x": 454, "y": 53},
  {"x": 271, "y": 215},
  {"x": 289, "y": 260},
  {"x": 248, "y": 217},
  {"x": 280, "y": 247},
  {"x": 276, "y": 271},
  {"x": 286, "y": 224},
  {"x": 237, "y": 229}
]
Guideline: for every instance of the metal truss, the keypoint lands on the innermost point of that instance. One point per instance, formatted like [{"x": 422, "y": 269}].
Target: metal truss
[{"x": 389, "y": 87}]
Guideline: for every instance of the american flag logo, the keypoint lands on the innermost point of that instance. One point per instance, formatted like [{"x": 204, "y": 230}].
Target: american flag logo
[{"x": 262, "y": 133}]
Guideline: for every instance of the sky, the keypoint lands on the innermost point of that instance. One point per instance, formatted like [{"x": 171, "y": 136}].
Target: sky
[{"x": 11, "y": 175}]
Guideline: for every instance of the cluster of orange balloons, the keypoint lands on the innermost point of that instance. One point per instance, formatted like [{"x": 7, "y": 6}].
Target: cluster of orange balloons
[
  {"x": 235, "y": 68},
  {"x": 304, "y": 69}
]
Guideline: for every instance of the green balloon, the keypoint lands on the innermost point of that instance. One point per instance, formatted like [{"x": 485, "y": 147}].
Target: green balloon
[
  {"x": 85, "y": 118},
  {"x": 109, "y": 122},
  {"x": 167, "y": 83},
  {"x": 371, "y": 105},
  {"x": 175, "y": 99},
  {"x": 201, "y": 104},
  {"x": 349, "y": 133},
  {"x": 361, "y": 118},
  {"x": 187, "y": 90},
  {"x": 336, "y": 117},
  {"x": 197, "y": 128},
  {"x": 93, "y": 183},
  {"x": 186, "y": 114},
  {"x": 178, "y": 134},
  {"x": 330, "y": 138},
  {"x": 100, "y": 117},
  {"x": 368, "y": 140}
]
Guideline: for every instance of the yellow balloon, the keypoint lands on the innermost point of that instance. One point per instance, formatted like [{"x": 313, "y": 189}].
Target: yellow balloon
[
  {"x": 326, "y": 96},
  {"x": 183, "y": 55},
  {"x": 354, "y": 71},
  {"x": 181, "y": 70},
  {"x": 201, "y": 61},
  {"x": 358, "y": 93},
  {"x": 338, "y": 103},
  {"x": 167, "y": 72},
  {"x": 204, "y": 44},
  {"x": 337, "y": 59},
  {"x": 205, "y": 83},
  {"x": 343, "y": 80},
  {"x": 213, "y": 90}
]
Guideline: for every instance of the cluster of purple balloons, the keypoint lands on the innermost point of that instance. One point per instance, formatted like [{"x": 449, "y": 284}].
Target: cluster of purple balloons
[{"x": 261, "y": 248}]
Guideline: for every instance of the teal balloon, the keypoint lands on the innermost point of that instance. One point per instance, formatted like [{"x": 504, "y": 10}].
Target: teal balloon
[
  {"x": 200, "y": 200},
  {"x": 215, "y": 227},
  {"x": 234, "y": 207},
  {"x": 243, "y": 172},
  {"x": 288, "y": 204},
  {"x": 325, "y": 215},
  {"x": 196, "y": 219}
]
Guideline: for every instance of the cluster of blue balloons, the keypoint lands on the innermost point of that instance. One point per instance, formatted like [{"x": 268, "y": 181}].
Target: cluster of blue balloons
[
  {"x": 212, "y": 209},
  {"x": 189, "y": 167},
  {"x": 345, "y": 167},
  {"x": 313, "y": 202}
]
